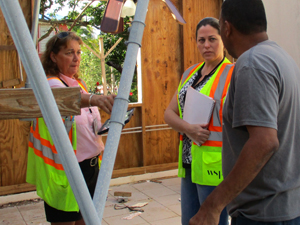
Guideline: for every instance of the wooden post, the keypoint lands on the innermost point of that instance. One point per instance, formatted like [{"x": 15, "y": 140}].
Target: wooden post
[{"x": 101, "y": 48}]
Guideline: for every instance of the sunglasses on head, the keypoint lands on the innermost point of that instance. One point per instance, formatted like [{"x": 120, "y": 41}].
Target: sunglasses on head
[{"x": 61, "y": 35}]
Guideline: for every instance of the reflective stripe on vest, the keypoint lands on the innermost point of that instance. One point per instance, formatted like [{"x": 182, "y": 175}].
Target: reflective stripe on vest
[
  {"x": 207, "y": 157},
  {"x": 218, "y": 92},
  {"x": 81, "y": 83},
  {"x": 43, "y": 148}
]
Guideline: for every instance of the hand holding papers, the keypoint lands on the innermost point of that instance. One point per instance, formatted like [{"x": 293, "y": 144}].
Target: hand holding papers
[{"x": 198, "y": 108}]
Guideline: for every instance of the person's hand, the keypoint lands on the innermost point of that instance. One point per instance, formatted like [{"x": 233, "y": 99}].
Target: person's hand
[
  {"x": 104, "y": 102},
  {"x": 198, "y": 133},
  {"x": 205, "y": 217}
]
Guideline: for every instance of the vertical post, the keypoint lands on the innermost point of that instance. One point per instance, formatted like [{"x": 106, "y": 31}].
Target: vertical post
[
  {"x": 120, "y": 107},
  {"x": 35, "y": 20},
  {"x": 101, "y": 48},
  {"x": 112, "y": 80},
  {"x": 19, "y": 30}
]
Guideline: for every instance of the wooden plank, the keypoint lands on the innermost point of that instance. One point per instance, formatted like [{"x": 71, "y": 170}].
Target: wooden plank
[
  {"x": 21, "y": 103},
  {"x": 18, "y": 188},
  {"x": 130, "y": 146},
  {"x": 10, "y": 83},
  {"x": 144, "y": 170},
  {"x": 111, "y": 18},
  {"x": 162, "y": 66},
  {"x": 193, "y": 12},
  {"x": 8, "y": 48}
]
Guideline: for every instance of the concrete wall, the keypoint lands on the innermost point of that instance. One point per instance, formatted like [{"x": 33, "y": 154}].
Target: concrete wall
[{"x": 284, "y": 25}]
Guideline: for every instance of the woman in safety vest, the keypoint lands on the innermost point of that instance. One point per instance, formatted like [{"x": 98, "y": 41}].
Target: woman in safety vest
[
  {"x": 200, "y": 166},
  {"x": 61, "y": 61}
]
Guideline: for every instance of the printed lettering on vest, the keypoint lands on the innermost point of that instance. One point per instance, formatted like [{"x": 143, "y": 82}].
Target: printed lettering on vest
[{"x": 214, "y": 173}]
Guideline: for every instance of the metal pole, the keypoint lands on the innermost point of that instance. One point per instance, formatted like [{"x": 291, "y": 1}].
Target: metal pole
[
  {"x": 35, "y": 20},
  {"x": 19, "y": 30},
  {"x": 120, "y": 107}
]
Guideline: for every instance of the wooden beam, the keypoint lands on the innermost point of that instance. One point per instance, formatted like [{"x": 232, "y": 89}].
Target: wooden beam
[
  {"x": 18, "y": 188},
  {"x": 144, "y": 169},
  {"x": 113, "y": 47},
  {"x": 93, "y": 51},
  {"x": 21, "y": 103},
  {"x": 7, "y": 47},
  {"x": 10, "y": 83},
  {"x": 101, "y": 48}
]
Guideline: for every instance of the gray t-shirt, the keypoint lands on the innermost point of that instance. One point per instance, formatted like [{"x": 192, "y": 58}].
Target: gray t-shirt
[{"x": 265, "y": 91}]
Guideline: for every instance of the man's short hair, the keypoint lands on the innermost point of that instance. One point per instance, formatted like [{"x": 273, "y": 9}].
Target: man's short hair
[{"x": 247, "y": 16}]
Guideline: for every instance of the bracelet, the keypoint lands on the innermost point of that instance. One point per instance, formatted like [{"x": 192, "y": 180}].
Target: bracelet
[{"x": 90, "y": 98}]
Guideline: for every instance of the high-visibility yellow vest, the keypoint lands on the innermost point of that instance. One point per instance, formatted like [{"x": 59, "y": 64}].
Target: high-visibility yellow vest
[
  {"x": 206, "y": 163},
  {"x": 44, "y": 167}
]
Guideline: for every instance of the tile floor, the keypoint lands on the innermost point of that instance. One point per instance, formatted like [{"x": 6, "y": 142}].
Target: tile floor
[{"x": 163, "y": 206}]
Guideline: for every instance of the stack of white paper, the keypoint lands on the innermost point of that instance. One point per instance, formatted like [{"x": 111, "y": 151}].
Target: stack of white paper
[{"x": 198, "y": 107}]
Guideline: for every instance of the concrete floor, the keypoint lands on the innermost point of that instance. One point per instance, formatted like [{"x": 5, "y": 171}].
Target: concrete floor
[{"x": 163, "y": 206}]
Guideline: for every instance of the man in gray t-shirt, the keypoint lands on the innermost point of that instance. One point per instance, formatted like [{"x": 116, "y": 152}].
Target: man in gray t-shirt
[{"x": 261, "y": 132}]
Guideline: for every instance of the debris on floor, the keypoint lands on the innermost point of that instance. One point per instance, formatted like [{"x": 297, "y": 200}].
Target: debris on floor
[
  {"x": 131, "y": 216},
  {"x": 122, "y": 196}
]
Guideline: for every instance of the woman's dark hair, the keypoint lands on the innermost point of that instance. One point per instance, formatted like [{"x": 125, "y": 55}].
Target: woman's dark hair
[
  {"x": 208, "y": 21},
  {"x": 247, "y": 16},
  {"x": 54, "y": 45}
]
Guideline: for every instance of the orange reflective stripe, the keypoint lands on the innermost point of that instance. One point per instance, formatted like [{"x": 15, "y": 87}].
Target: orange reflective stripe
[
  {"x": 81, "y": 85},
  {"x": 216, "y": 81},
  {"x": 227, "y": 82},
  {"x": 213, "y": 143},
  {"x": 191, "y": 73},
  {"x": 214, "y": 128},
  {"x": 51, "y": 78},
  {"x": 44, "y": 142},
  {"x": 30, "y": 144},
  {"x": 48, "y": 161},
  {"x": 212, "y": 93}
]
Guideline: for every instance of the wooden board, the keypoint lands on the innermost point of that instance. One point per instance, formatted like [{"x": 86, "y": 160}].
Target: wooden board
[
  {"x": 130, "y": 152},
  {"x": 14, "y": 133},
  {"x": 21, "y": 103},
  {"x": 193, "y": 12},
  {"x": 162, "y": 66}
]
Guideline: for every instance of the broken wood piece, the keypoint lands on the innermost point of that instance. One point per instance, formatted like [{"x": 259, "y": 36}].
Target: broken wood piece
[
  {"x": 139, "y": 205},
  {"x": 122, "y": 194},
  {"x": 131, "y": 216},
  {"x": 112, "y": 15},
  {"x": 9, "y": 83},
  {"x": 21, "y": 103},
  {"x": 175, "y": 13}
]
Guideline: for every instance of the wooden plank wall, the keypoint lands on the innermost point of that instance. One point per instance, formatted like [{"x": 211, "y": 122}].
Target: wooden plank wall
[
  {"x": 193, "y": 12},
  {"x": 146, "y": 145},
  {"x": 13, "y": 133},
  {"x": 162, "y": 66}
]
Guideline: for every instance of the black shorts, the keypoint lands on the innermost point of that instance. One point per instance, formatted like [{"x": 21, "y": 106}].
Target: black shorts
[{"x": 90, "y": 170}]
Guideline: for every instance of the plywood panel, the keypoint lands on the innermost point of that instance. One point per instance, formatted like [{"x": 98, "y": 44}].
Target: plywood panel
[
  {"x": 162, "y": 147},
  {"x": 13, "y": 133},
  {"x": 193, "y": 12},
  {"x": 162, "y": 66},
  {"x": 130, "y": 152},
  {"x": 161, "y": 60}
]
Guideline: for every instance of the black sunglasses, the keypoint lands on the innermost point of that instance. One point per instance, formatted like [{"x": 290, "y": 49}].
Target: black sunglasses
[{"x": 61, "y": 35}]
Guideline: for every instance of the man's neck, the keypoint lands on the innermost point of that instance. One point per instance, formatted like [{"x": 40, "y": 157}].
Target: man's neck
[{"x": 249, "y": 41}]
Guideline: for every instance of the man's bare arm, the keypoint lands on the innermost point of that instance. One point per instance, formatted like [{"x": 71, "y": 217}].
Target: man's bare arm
[{"x": 257, "y": 151}]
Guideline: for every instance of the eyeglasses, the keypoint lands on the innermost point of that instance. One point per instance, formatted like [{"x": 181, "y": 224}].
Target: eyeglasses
[{"x": 61, "y": 35}]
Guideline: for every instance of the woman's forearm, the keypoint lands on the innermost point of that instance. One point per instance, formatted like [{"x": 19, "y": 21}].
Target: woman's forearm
[{"x": 174, "y": 121}]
